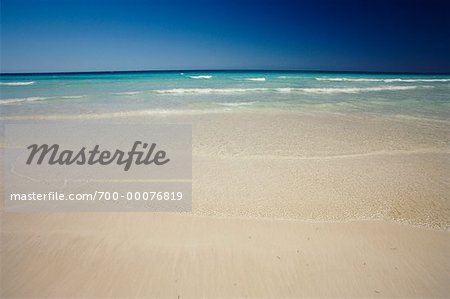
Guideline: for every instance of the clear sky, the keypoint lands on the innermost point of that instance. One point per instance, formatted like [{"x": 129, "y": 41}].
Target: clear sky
[{"x": 372, "y": 35}]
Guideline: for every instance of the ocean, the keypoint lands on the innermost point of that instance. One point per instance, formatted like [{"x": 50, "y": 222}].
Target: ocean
[{"x": 145, "y": 93}]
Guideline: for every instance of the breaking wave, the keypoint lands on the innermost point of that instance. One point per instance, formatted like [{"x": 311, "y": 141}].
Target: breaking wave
[
  {"x": 201, "y": 77},
  {"x": 331, "y": 90},
  {"x": 387, "y": 80},
  {"x": 72, "y": 97},
  {"x": 21, "y": 100},
  {"x": 208, "y": 90},
  {"x": 127, "y": 93},
  {"x": 256, "y": 79},
  {"x": 181, "y": 91},
  {"x": 17, "y": 83}
]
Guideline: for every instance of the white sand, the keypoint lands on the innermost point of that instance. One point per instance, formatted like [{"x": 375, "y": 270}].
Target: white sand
[
  {"x": 166, "y": 256},
  {"x": 284, "y": 205}
]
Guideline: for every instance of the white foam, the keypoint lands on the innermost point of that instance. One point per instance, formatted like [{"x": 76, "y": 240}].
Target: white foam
[
  {"x": 416, "y": 80},
  {"x": 208, "y": 90},
  {"x": 72, "y": 97},
  {"x": 350, "y": 79},
  {"x": 237, "y": 104},
  {"x": 17, "y": 83},
  {"x": 21, "y": 100},
  {"x": 256, "y": 79},
  {"x": 127, "y": 93},
  {"x": 201, "y": 77},
  {"x": 343, "y": 90},
  {"x": 387, "y": 80},
  {"x": 328, "y": 90}
]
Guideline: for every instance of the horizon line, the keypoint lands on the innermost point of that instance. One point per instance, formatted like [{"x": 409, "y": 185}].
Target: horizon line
[{"x": 219, "y": 70}]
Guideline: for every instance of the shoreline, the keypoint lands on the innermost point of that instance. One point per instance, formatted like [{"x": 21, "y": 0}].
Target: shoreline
[
  {"x": 326, "y": 167},
  {"x": 164, "y": 114}
]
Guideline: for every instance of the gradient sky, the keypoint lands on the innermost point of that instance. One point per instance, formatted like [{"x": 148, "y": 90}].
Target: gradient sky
[{"x": 66, "y": 35}]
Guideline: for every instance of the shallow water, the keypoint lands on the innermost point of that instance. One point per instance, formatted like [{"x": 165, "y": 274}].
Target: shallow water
[{"x": 141, "y": 93}]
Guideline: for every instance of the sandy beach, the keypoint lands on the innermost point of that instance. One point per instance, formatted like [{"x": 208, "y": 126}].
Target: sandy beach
[
  {"x": 175, "y": 256},
  {"x": 285, "y": 205}
]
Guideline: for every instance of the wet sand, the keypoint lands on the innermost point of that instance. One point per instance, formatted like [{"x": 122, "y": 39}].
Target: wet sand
[{"x": 322, "y": 167}]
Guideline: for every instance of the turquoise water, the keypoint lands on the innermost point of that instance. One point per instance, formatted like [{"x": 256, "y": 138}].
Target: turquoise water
[{"x": 208, "y": 92}]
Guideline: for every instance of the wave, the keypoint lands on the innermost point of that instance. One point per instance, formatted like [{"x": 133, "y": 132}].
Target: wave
[
  {"x": 72, "y": 97},
  {"x": 387, "y": 80},
  {"x": 237, "y": 104},
  {"x": 256, "y": 79},
  {"x": 204, "y": 91},
  {"x": 343, "y": 90},
  {"x": 208, "y": 90},
  {"x": 181, "y": 91},
  {"x": 201, "y": 77},
  {"x": 17, "y": 83},
  {"x": 416, "y": 80},
  {"x": 21, "y": 100},
  {"x": 127, "y": 93}
]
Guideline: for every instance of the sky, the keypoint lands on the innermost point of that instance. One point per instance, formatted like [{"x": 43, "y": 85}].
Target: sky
[{"x": 94, "y": 35}]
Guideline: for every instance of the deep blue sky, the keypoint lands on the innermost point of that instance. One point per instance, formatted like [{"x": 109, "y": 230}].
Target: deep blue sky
[{"x": 65, "y": 35}]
